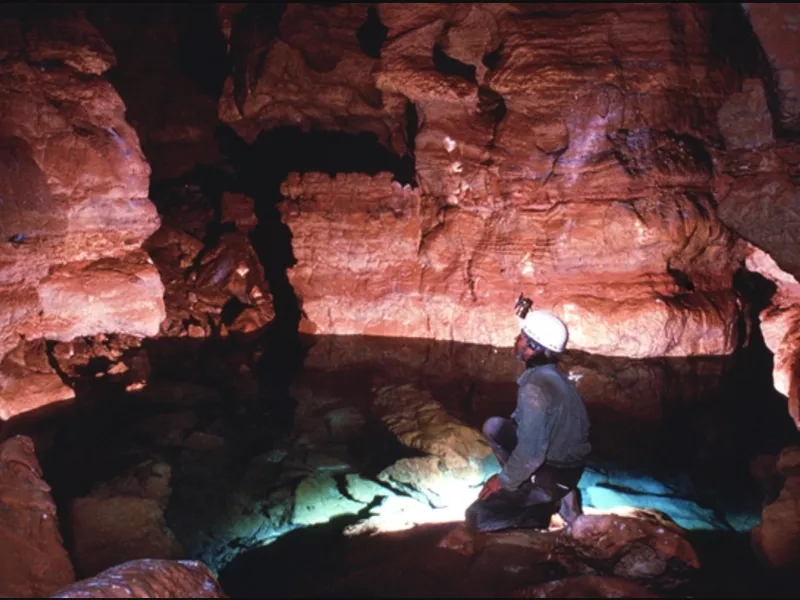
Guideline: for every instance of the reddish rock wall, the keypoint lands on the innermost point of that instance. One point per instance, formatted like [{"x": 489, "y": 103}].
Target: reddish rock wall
[
  {"x": 34, "y": 563},
  {"x": 74, "y": 185},
  {"x": 568, "y": 155}
]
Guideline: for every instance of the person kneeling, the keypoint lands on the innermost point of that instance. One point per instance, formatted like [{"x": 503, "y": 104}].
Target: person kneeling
[{"x": 542, "y": 448}]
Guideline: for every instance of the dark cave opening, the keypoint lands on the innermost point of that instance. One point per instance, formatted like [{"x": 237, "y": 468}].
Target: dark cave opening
[
  {"x": 447, "y": 65},
  {"x": 260, "y": 169},
  {"x": 372, "y": 34}
]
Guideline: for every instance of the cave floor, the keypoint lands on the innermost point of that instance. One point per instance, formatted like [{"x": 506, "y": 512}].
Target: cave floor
[{"x": 244, "y": 444}]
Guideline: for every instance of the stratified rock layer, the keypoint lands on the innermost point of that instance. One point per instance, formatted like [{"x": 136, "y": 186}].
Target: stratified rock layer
[
  {"x": 582, "y": 178},
  {"x": 305, "y": 67},
  {"x": 74, "y": 185}
]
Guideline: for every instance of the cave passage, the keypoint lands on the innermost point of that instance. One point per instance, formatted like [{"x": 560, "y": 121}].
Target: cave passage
[{"x": 260, "y": 168}]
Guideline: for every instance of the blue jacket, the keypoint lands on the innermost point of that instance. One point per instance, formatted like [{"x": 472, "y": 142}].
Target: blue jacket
[{"x": 552, "y": 425}]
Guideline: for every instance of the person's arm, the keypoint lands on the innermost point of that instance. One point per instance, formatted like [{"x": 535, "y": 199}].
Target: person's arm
[{"x": 533, "y": 433}]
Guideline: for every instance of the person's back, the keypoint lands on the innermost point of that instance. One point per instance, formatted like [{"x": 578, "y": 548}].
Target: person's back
[{"x": 569, "y": 421}]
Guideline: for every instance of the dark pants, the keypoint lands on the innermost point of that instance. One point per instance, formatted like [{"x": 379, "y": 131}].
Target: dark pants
[{"x": 553, "y": 489}]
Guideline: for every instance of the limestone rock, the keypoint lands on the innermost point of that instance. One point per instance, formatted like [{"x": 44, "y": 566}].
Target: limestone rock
[
  {"x": 780, "y": 325},
  {"x": 35, "y": 563},
  {"x": 745, "y": 120},
  {"x": 28, "y": 382},
  {"x": 421, "y": 423},
  {"x": 454, "y": 274},
  {"x": 201, "y": 279},
  {"x": 115, "y": 295},
  {"x": 148, "y": 578},
  {"x": 75, "y": 186},
  {"x": 304, "y": 67},
  {"x": 601, "y": 208},
  {"x": 633, "y": 548},
  {"x": 318, "y": 500}
]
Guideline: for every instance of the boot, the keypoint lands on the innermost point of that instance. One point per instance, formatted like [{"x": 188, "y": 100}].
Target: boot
[{"x": 571, "y": 506}]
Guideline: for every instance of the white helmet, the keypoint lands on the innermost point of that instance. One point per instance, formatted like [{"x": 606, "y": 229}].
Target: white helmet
[{"x": 546, "y": 329}]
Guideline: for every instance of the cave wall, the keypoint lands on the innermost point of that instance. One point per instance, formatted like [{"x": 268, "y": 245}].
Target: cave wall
[
  {"x": 74, "y": 189},
  {"x": 777, "y": 26},
  {"x": 758, "y": 181},
  {"x": 612, "y": 164},
  {"x": 564, "y": 151}
]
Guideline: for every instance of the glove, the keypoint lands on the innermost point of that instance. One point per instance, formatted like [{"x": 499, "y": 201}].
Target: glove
[{"x": 491, "y": 486}]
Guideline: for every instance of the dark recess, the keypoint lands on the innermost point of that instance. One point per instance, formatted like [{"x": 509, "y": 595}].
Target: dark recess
[
  {"x": 202, "y": 48},
  {"x": 372, "y": 34},
  {"x": 734, "y": 45},
  {"x": 491, "y": 60},
  {"x": 449, "y": 66},
  {"x": 260, "y": 169}
]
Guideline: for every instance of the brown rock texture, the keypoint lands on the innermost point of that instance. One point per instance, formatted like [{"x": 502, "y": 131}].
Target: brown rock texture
[
  {"x": 641, "y": 548},
  {"x": 148, "y": 578},
  {"x": 34, "y": 562},
  {"x": 780, "y": 325},
  {"x": 582, "y": 178},
  {"x": 123, "y": 520},
  {"x": 305, "y": 68},
  {"x": 776, "y": 539},
  {"x": 201, "y": 278},
  {"x": 757, "y": 188},
  {"x": 28, "y": 382},
  {"x": 760, "y": 199},
  {"x": 520, "y": 563},
  {"x": 74, "y": 184},
  {"x": 777, "y": 26}
]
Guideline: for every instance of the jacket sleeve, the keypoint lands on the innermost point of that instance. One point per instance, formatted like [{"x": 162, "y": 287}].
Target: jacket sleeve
[{"x": 534, "y": 414}]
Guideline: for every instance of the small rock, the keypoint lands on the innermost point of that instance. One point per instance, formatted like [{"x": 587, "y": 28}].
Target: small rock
[
  {"x": 148, "y": 578},
  {"x": 196, "y": 331},
  {"x": 251, "y": 319},
  {"x": 640, "y": 562},
  {"x": 776, "y": 540},
  {"x": 318, "y": 500},
  {"x": 118, "y": 369},
  {"x": 203, "y": 442},
  {"x": 238, "y": 209}
]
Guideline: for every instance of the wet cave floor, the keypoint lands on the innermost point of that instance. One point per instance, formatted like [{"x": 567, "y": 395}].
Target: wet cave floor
[{"x": 277, "y": 458}]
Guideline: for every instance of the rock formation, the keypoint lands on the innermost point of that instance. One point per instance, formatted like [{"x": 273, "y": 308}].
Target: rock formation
[
  {"x": 35, "y": 563},
  {"x": 776, "y": 25},
  {"x": 582, "y": 178},
  {"x": 148, "y": 578},
  {"x": 74, "y": 185}
]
